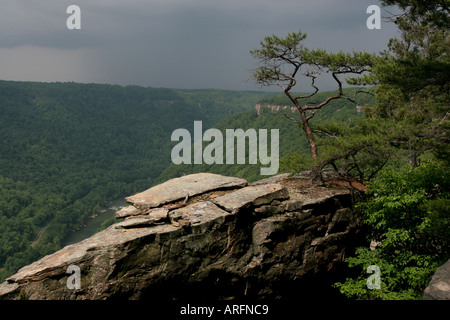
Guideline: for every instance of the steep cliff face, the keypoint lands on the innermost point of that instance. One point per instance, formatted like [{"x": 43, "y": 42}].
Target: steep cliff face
[
  {"x": 206, "y": 236},
  {"x": 274, "y": 108}
]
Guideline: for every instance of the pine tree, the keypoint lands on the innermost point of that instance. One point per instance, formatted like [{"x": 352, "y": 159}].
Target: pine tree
[{"x": 282, "y": 61}]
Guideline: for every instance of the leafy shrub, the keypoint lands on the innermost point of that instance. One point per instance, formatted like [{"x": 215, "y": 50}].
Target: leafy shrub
[{"x": 408, "y": 216}]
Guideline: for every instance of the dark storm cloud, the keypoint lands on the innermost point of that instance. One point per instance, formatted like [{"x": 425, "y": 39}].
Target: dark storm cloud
[{"x": 169, "y": 43}]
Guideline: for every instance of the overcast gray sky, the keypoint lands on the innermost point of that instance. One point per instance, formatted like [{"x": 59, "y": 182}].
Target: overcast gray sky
[{"x": 170, "y": 43}]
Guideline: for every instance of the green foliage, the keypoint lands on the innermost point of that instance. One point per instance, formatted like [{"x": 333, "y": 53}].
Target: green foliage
[
  {"x": 408, "y": 215},
  {"x": 405, "y": 198},
  {"x": 355, "y": 148},
  {"x": 295, "y": 162},
  {"x": 281, "y": 58},
  {"x": 413, "y": 84},
  {"x": 424, "y": 12}
]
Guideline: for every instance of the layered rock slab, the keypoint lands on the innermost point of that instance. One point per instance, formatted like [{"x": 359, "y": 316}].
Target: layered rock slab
[
  {"x": 54, "y": 263},
  {"x": 180, "y": 188},
  {"x": 253, "y": 195}
]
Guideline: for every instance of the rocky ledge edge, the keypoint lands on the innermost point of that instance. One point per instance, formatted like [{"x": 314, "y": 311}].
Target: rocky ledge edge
[{"x": 200, "y": 230}]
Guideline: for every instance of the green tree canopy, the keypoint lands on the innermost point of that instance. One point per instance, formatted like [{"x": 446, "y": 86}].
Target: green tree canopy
[{"x": 407, "y": 211}]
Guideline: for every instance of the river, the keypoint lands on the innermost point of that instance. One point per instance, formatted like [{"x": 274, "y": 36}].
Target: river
[{"x": 93, "y": 224}]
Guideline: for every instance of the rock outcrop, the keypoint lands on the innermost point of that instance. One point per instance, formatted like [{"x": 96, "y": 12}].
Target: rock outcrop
[
  {"x": 439, "y": 286},
  {"x": 206, "y": 236},
  {"x": 274, "y": 108}
]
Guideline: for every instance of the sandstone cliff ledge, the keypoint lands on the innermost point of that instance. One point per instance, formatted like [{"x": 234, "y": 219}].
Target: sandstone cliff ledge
[{"x": 207, "y": 236}]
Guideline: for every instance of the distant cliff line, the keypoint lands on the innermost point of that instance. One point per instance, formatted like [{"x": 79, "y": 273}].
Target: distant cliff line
[{"x": 276, "y": 108}]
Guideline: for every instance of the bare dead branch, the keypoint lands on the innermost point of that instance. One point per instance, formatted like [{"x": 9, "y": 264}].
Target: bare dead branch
[
  {"x": 311, "y": 116},
  {"x": 313, "y": 79},
  {"x": 291, "y": 118}
]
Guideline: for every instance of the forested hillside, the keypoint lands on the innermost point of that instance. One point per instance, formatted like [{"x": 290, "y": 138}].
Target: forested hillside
[
  {"x": 67, "y": 149},
  {"x": 291, "y": 139}
]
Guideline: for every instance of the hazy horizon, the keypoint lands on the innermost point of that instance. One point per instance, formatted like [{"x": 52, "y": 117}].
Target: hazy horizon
[{"x": 196, "y": 44}]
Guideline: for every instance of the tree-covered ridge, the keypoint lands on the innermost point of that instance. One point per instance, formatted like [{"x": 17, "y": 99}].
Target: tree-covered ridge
[
  {"x": 67, "y": 149},
  {"x": 292, "y": 142}
]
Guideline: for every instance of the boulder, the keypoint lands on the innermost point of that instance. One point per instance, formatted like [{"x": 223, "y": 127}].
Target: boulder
[{"x": 439, "y": 287}]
